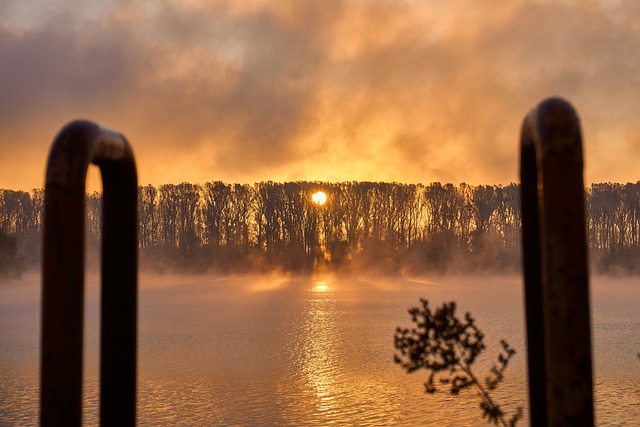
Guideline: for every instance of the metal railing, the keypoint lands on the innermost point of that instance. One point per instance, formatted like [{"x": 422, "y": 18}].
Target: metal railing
[
  {"x": 75, "y": 147},
  {"x": 555, "y": 273},
  {"x": 556, "y": 277}
]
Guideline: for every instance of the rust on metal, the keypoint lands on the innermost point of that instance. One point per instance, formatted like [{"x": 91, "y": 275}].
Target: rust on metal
[
  {"x": 555, "y": 267},
  {"x": 77, "y": 145}
]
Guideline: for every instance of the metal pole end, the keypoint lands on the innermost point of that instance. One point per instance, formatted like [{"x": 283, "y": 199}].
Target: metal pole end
[
  {"x": 555, "y": 124},
  {"x": 110, "y": 145}
]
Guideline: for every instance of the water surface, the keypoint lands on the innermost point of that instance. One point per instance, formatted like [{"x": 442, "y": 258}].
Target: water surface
[{"x": 309, "y": 351}]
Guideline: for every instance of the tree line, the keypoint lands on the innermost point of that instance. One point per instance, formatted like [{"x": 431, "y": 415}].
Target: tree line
[{"x": 372, "y": 226}]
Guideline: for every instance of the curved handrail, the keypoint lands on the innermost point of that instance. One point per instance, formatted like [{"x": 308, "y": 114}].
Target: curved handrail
[
  {"x": 555, "y": 267},
  {"x": 76, "y": 146}
]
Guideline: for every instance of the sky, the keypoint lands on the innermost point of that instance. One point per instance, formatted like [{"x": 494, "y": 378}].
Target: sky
[{"x": 411, "y": 91}]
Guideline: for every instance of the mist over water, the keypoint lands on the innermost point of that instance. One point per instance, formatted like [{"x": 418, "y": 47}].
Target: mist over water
[{"x": 276, "y": 350}]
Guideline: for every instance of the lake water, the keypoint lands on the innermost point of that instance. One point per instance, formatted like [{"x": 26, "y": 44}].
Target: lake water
[{"x": 279, "y": 351}]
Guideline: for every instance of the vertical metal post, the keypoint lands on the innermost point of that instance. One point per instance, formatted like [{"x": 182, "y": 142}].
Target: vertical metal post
[
  {"x": 555, "y": 267},
  {"x": 532, "y": 280},
  {"x": 75, "y": 147}
]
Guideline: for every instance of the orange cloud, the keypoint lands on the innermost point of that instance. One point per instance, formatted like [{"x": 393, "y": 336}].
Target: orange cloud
[{"x": 342, "y": 90}]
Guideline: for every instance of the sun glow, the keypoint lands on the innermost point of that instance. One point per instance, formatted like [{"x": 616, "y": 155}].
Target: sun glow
[
  {"x": 319, "y": 198},
  {"x": 321, "y": 287}
]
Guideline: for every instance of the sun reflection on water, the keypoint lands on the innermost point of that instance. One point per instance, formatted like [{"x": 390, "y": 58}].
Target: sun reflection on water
[
  {"x": 334, "y": 392},
  {"x": 320, "y": 360},
  {"x": 321, "y": 287}
]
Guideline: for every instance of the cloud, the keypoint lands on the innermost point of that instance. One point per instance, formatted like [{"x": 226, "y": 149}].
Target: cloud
[{"x": 349, "y": 89}]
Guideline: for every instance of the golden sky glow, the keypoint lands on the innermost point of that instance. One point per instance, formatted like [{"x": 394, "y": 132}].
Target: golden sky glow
[{"x": 381, "y": 90}]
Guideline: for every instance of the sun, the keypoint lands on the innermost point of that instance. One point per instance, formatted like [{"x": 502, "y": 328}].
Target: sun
[{"x": 319, "y": 198}]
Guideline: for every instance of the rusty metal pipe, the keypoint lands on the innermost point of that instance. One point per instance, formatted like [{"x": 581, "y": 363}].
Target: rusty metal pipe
[
  {"x": 77, "y": 145},
  {"x": 555, "y": 267}
]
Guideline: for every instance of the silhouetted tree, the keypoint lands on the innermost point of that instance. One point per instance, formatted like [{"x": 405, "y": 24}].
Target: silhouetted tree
[
  {"x": 388, "y": 226},
  {"x": 10, "y": 264},
  {"x": 148, "y": 214}
]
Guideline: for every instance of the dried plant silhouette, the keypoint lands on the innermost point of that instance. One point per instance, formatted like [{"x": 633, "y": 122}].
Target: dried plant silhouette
[{"x": 448, "y": 347}]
